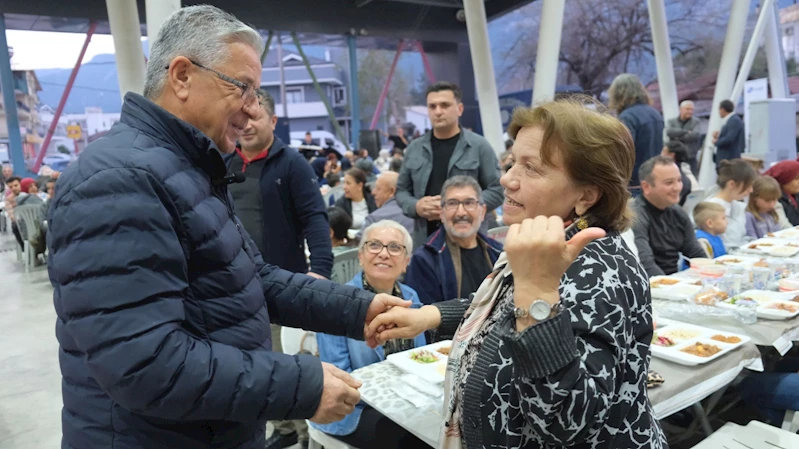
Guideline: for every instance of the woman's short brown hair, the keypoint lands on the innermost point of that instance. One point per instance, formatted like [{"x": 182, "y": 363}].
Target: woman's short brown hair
[{"x": 595, "y": 149}]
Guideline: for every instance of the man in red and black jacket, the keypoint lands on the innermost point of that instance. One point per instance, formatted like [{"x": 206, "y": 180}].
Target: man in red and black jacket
[{"x": 280, "y": 206}]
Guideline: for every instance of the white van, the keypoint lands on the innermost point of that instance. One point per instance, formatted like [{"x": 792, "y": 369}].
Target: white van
[{"x": 324, "y": 139}]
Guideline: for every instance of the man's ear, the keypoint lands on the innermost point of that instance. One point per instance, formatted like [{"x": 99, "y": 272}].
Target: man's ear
[{"x": 179, "y": 77}]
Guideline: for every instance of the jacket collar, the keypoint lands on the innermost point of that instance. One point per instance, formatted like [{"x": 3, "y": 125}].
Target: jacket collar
[
  {"x": 438, "y": 242},
  {"x": 177, "y": 135}
]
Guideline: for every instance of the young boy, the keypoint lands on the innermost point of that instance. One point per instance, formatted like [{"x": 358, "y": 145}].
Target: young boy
[{"x": 711, "y": 222}]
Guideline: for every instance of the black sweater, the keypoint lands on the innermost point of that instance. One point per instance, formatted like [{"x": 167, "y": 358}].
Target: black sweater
[{"x": 661, "y": 235}]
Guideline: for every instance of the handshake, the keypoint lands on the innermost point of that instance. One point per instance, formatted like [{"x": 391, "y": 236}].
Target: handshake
[{"x": 388, "y": 317}]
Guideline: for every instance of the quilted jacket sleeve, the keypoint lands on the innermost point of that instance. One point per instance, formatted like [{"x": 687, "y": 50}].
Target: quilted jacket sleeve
[
  {"x": 319, "y": 305},
  {"x": 121, "y": 276}
]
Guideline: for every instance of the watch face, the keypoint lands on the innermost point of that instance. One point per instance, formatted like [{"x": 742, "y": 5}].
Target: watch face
[{"x": 540, "y": 310}]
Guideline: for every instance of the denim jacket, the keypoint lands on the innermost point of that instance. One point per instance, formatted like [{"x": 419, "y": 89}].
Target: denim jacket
[{"x": 349, "y": 354}]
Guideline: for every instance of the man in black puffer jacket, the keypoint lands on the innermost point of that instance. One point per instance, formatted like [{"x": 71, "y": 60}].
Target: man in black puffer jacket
[{"x": 163, "y": 300}]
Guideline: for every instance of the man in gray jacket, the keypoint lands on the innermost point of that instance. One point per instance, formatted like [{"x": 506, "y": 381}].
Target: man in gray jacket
[
  {"x": 447, "y": 151},
  {"x": 685, "y": 129}
]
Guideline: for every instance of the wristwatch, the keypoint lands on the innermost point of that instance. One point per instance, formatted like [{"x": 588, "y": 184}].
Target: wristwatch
[{"x": 539, "y": 310}]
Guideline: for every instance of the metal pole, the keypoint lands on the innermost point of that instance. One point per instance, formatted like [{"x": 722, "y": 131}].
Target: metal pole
[
  {"x": 63, "y": 101},
  {"x": 777, "y": 71},
  {"x": 10, "y": 103},
  {"x": 428, "y": 70},
  {"x": 355, "y": 102},
  {"x": 384, "y": 92},
  {"x": 751, "y": 51},
  {"x": 282, "y": 76},
  {"x": 320, "y": 91},
  {"x": 480, "y": 47},
  {"x": 266, "y": 47},
  {"x": 548, "y": 56},
  {"x": 156, "y": 13},
  {"x": 123, "y": 17},
  {"x": 663, "y": 60},
  {"x": 728, "y": 66}
]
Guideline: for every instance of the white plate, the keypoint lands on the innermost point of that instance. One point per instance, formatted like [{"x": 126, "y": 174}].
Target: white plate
[
  {"x": 763, "y": 299},
  {"x": 743, "y": 261},
  {"x": 431, "y": 372},
  {"x": 783, "y": 251},
  {"x": 775, "y": 242},
  {"x": 790, "y": 233},
  {"x": 677, "y": 292},
  {"x": 704, "y": 334}
]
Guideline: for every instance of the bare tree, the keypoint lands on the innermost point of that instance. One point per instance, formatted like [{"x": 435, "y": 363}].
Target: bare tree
[{"x": 602, "y": 38}]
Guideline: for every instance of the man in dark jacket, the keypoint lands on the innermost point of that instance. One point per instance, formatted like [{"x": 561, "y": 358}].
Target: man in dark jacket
[
  {"x": 685, "y": 128},
  {"x": 662, "y": 229},
  {"x": 731, "y": 140},
  {"x": 280, "y": 206},
  {"x": 163, "y": 299},
  {"x": 454, "y": 260}
]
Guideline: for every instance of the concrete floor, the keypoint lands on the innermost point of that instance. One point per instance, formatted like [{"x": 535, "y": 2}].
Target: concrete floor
[{"x": 30, "y": 379}]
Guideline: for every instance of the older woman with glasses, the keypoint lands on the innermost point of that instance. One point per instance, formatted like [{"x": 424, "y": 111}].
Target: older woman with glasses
[
  {"x": 553, "y": 350},
  {"x": 384, "y": 256}
]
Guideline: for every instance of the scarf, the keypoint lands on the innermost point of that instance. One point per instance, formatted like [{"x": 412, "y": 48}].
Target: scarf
[{"x": 482, "y": 305}]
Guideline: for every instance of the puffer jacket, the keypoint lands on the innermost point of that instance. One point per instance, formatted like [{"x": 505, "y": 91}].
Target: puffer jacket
[{"x": 164, "y": 302}]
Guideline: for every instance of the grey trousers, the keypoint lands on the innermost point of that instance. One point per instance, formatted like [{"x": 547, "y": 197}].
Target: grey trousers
[{"x": 286, "y": 427}]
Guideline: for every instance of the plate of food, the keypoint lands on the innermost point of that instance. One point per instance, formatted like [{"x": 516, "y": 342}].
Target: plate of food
[
  {"x": 791, "y": 233},
  {"x": 690, "y": 345},
  {"x": 765, "y": 245},
  {"x": 428, "y": 362},
  {"x": 672, "y": 288},
  {"x": 770, "y": 305},
  {"x": 737, "y": 260}
]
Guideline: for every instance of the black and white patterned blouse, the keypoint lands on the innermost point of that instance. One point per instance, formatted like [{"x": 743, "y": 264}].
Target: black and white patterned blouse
[{"x": 577, "y": 380}]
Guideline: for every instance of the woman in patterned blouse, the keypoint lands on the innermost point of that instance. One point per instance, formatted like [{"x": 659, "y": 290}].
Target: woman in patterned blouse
[{"x": 553, "y": 350}]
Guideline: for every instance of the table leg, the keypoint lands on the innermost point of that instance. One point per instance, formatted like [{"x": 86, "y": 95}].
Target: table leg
[{"x": 702, "y": 417}]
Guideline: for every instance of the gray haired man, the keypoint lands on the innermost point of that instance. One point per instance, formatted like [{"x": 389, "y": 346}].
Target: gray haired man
[
  {"x": 163, "y": 299},
  {"x": 685, "y": 129}
]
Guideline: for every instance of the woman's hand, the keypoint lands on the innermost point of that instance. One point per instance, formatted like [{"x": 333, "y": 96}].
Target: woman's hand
[
  {"x": 539, "y": 254},
  {"x": 400, "y": 322}
]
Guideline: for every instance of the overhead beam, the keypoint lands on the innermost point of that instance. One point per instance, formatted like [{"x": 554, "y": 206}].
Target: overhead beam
[{"x": 438, "y": 3}]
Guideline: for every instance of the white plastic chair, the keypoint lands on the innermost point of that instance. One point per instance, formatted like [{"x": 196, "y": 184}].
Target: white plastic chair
[
  {"x": 29, "y": 218},
  {"x": 790, "y": 421},
  {"x": 293, "y": 341},
  {"x": 693, "y": 198},
  {"x": 345, "y": 265}
]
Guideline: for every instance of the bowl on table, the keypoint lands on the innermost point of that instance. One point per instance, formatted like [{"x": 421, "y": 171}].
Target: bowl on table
[
  {"x": 712, "y": 271},
  {"x": 699, "y": 262},
  {"x": 788, "y": 285}
]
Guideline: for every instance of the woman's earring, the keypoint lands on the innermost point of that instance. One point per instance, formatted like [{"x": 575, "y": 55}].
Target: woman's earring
[{"x": 581, "y": 223}]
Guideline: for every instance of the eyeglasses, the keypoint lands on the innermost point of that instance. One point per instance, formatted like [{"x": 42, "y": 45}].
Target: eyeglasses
[
  {"x": 470, "y": 204},
  {"x": 376, "y": 246},
  {"x": 249, "y": 94}
]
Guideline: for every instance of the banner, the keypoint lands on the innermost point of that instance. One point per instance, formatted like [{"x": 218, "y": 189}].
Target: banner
[{"x": 754, "y": 90}]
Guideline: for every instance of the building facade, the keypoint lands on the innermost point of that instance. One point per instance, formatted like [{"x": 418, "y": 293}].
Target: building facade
[
  {"x": 26, "y": 88},
  {"x": 306, "y": 110}
]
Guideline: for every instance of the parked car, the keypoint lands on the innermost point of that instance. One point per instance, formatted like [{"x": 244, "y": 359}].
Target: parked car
[{"x": 324, "y": 139}]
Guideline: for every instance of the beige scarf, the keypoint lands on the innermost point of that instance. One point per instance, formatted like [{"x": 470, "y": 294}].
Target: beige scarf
[{"x": 480, "y": 309}]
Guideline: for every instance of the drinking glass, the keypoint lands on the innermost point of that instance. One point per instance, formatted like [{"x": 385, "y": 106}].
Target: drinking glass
[{"x": 746, "y": 311}]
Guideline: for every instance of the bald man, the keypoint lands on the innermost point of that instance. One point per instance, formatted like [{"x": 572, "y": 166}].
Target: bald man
[
  {"x": 387, "y": 207},
  {"x": 685, "y": 129}
]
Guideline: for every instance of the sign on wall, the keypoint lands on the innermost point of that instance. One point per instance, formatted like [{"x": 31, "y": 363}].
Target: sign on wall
[{"x": 754, "y": 90}]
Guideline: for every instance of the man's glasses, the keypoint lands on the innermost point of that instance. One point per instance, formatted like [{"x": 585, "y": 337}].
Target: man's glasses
[
  {"x": 376, "y": 246},
  {"x": 470, "y": 204},
  {"x": 249, "y": 94}
]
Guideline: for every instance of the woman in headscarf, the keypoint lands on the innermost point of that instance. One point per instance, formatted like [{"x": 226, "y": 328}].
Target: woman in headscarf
[{"x": 787, "y": 175}]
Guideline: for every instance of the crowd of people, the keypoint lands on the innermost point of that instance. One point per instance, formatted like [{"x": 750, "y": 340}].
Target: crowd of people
[{"x": 208, "y": 233}]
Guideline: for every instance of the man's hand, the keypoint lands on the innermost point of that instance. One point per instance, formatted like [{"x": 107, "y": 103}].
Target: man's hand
[
  {"x": 380, "y": 304},
  {"x": 715, "y": 136},
  {"x": 403, "y": 323},
  {"x": 429, "y": 207},
  {"x": 339, "y": 395},
  {"x": 317, "y": 276}
]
